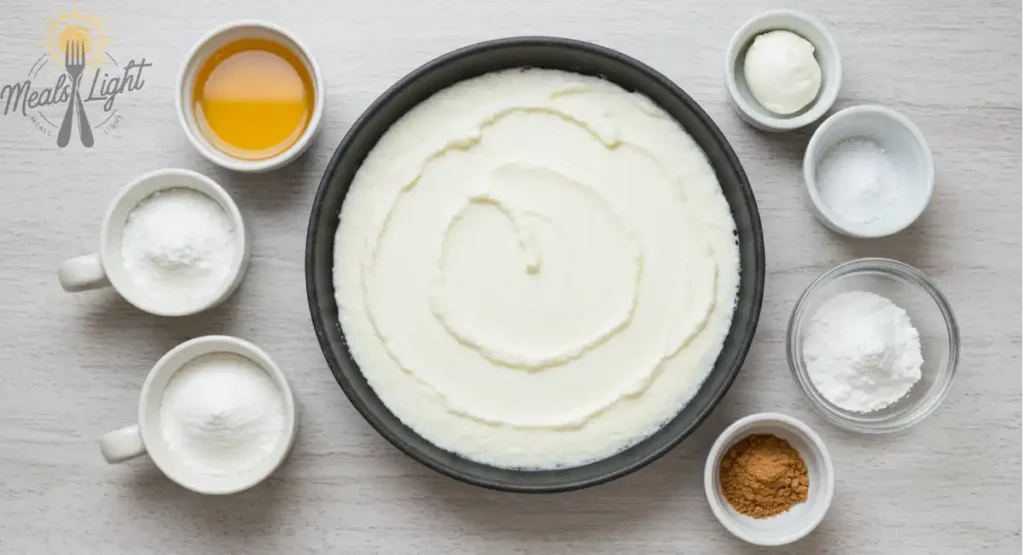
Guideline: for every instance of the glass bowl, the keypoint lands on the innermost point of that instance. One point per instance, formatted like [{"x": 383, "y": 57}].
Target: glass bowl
[{"x": 929, "y": 312}]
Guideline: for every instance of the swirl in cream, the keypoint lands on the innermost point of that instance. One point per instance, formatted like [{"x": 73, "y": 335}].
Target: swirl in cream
[{"x": 535, "y": 268}]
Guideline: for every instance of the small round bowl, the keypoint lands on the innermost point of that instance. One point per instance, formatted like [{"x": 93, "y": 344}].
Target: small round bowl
[
  {"x": 929, "y": 312},
  {"x": 826, "y": 52},
  {"x": 902, "y": 141},
  {"x": 202, "y": 50},
  {"x": 800, "y": 519}
]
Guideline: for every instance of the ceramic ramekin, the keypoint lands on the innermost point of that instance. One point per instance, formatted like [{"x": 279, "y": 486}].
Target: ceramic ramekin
[
  {"x": 906, "y": 148},
  {"x": 202, "y": 50},
  {"x": 826, "y": 52},
  {"x": 800, "y": 519}
]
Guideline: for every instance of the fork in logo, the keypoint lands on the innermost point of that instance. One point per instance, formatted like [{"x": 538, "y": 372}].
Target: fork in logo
[{"x": 74, "y": 63}]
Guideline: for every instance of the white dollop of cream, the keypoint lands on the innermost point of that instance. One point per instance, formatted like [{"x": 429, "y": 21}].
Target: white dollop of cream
[
  {"x": 781, "y": 72},
  {"x": 535, "y": 269}
]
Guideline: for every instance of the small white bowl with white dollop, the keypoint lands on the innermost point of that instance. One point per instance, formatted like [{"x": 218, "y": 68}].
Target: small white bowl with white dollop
[
  {"x": 216, "y": 415},
  {"x": 783, "y": 70},
  {"x": 172, "y": 243}
]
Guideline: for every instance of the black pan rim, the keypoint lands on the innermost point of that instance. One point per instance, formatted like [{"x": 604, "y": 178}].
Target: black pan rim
[{"x": 733, "y": 165}]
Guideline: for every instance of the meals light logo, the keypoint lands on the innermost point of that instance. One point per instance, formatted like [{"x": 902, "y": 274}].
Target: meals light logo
[{"x": 70, "y": 91}]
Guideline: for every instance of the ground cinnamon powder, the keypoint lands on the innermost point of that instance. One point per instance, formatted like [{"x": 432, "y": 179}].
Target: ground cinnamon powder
[{"x": 762, "y": 476}]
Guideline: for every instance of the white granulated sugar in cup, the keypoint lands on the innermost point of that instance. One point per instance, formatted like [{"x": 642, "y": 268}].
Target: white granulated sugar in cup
[
  {"x": 178, "y": 245},
  {"x": 222, "y": 413},
  {"x": 859, "y": 183},
  {"x": 862, "y": 352}
]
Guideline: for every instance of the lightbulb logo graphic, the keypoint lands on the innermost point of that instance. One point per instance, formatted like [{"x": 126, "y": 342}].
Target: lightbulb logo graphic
[
  {"x": 78, "y": 28},
  {"x": 70, "y": 91}
]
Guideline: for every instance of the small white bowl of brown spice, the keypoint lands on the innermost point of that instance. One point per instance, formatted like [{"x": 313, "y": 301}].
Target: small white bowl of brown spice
[{"x": 769, "y": 479}]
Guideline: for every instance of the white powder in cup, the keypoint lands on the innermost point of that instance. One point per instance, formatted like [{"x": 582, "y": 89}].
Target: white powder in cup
[
  {"x": 178, "y": 245},
  {"x": 862, "y": 352},
  {"x": 222, "y": 414},
  {"x": 860, "y": 184}
]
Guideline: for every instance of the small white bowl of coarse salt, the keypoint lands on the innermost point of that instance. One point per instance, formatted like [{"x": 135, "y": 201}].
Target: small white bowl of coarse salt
[{"x": 868, "y": 171}]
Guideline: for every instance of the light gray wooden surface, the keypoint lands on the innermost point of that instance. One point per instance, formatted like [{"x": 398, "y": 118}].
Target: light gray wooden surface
[{"x": 72, "y": 365}]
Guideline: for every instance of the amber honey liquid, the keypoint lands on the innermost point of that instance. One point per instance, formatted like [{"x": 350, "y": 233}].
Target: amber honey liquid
[{"x": 253, "y": 98}]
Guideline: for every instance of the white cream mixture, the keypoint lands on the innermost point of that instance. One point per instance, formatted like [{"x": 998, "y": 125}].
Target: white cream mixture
[
  {"x": 535, "y": 269},
  {"x": 781, "y": 72}
]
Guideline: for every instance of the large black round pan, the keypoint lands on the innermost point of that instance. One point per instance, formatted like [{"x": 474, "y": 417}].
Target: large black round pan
[{"x": 469, "y": 62}]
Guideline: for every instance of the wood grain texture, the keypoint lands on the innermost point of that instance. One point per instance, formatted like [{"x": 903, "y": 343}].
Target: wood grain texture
[{"x": 73, "y": 364}]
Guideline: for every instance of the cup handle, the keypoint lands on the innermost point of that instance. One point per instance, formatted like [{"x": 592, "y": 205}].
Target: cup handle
[
  {"x": 82, "y": 273},
  {"x": 121, "y": 445}
]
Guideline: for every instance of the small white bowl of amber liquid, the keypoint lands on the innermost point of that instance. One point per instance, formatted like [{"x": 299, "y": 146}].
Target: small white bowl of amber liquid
[{"x": 250, "y": 96}]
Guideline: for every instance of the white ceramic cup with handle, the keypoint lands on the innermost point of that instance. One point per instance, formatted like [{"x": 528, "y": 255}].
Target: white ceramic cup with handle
[
  {"x": 105, "y": 267},
  {"x": 146, "y": 437}
]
